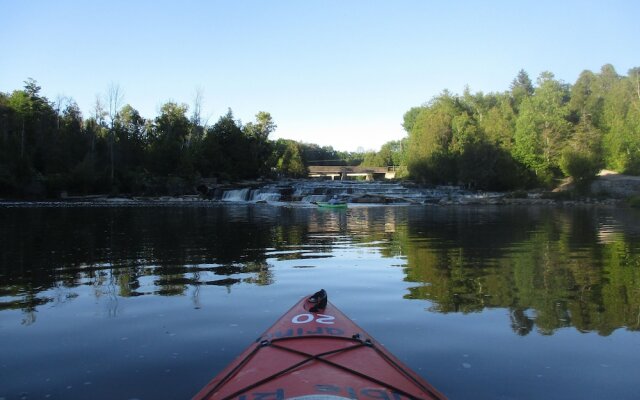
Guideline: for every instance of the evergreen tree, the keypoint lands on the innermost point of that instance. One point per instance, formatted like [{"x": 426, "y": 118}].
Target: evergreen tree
[{"x": 521, "y": 88}]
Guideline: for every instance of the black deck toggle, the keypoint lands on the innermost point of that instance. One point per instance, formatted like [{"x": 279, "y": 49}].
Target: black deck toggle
[{"x": 319, "y": 299}]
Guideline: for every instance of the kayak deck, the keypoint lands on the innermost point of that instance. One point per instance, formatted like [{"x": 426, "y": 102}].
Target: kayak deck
[{"x": 316, "y": 352}]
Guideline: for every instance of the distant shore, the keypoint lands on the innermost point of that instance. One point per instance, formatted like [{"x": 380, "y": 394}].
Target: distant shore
[{"x": 609, "y": 189}]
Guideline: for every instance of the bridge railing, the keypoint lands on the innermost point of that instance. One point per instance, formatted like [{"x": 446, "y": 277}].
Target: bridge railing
[
  {"x": 343, "y": 171},
  {"x": 348, "y": 169}
]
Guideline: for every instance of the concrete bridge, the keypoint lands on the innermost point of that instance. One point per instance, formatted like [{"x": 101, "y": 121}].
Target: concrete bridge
[{"x": 344, "y": 172}]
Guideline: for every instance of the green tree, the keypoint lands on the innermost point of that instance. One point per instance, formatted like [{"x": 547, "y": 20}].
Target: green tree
[
  {"x": 621, "y": 121},
  {"x": 486, "y": 166},
  {"x": 225, "y": 150},
  {"x": 521, "y": 88},
  {"x": 313, "y": 154},
  {"x": 542, "y": 128},
  {"x": 582, "y": 167},
  {"x": 465, "y": 132},
  {"x": 22, "y": 106},
  {"x": 586, "y": 100},
  {"x": 432, "y": 131},
  {"x": 258, "y": 146},
  {"x": 91, "y": 175},
  {"x": 390, "y": 154},
  {"x": 262, "y": 128},
  {"x": 372, "y": 159},
  {"x": 478, "y": 104},
  {"x": 586, "y": 107},
  {"x": 34, "y": 128},
  {"x": 168, "y": 138},
  {"x": 441, "y": 131},
  {"x": 288, "y": 156},
  {"x": 70, "y": 146},
  {"x": 131, "y": 142},
  {"x": 131, "y": 125},
  {"x": 409, "y": 118},
  {"x": 9, "y": 147},
  {"x": 498, "y": 124}
]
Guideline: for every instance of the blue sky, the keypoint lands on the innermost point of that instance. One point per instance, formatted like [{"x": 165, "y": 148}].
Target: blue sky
[{"x": 338, "y": 73}]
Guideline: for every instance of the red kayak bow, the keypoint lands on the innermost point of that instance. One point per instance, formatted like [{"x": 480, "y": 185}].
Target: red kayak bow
[{"x": 314, "y": 352}]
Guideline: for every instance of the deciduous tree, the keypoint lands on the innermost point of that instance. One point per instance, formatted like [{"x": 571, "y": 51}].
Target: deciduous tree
[{"x": 542, "y": 128}]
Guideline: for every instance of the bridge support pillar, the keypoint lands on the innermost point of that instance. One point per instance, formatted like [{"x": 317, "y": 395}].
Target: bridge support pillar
[{"x": 369, "y": 177}]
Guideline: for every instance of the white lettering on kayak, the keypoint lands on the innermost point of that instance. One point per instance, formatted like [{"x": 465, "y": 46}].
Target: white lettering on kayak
[
  {"x": 302, "y": 318},
  {"x": 325, "y": 319},
  {"x": 307, "y": 317}
]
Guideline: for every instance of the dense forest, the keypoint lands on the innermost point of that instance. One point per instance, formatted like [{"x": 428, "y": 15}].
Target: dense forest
[
  {"x": 49, "y": 147},
  {"x": 528, "y": 136}
]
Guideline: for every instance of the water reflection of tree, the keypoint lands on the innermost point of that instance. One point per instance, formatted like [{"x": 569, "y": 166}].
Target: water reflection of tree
[
  {"x": 261, "y": 273},
  {"x": 112, "y": 249},
  {"x": 521, "y": 323},
  {"x": 553, "y": 274},
  {"x": 550, "y": 268}
]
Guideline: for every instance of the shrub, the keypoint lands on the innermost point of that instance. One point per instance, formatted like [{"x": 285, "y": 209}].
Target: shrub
[
  {"x": 581, "y": 167},
  {"x": 439, "y": 168},
  {"x": 488, "y": 167}
]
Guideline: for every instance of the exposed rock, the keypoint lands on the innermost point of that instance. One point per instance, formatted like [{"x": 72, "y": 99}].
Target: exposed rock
[
  {"x": 370, "y": 199},
  {"x": 612, "y": 184},
  {"x": 286, "y": 193}
]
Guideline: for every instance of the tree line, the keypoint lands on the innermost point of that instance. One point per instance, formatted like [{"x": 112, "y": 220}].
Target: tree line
[
  {"x": 530, "y": 135},
  {"x": 49, "y": 147}
]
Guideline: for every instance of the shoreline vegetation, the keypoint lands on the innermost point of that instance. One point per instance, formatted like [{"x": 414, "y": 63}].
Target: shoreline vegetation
[{"x": 532, "y": 138}]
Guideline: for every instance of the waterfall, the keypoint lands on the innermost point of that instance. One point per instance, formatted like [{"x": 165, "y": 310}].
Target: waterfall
[
  {"x": 306, "y": 192},
  {"x": 251, "y": 195},
  {"x": 259, "y": 195},
  {"x": 236, "y": 195}
]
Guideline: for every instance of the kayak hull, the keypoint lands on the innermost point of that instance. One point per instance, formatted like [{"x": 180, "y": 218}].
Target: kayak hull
[{"x": 315, "y": 353}]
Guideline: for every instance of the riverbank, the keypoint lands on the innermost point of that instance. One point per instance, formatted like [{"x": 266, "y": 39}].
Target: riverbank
[
  {"x": 609, "y": 189},
  {"x": 306, "y": 193}
]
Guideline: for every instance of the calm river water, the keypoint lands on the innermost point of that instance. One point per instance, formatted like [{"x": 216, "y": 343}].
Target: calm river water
[{"x": 485, "y": 302}]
